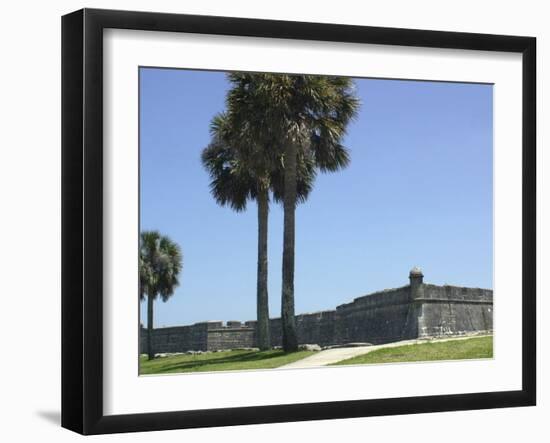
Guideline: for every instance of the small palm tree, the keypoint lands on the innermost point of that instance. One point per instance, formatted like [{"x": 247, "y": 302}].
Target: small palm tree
[{"x": 160, "y": 263}]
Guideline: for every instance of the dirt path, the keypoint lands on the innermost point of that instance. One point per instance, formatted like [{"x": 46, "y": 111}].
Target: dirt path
[{"x": 329, "y": 356}]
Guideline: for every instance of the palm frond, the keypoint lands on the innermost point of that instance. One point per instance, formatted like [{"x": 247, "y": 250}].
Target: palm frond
[{"x": 263, "y": 113}]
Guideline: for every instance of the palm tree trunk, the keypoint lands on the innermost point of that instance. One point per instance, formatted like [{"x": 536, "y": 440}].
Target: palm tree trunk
[
  {"x": 150, "y": 352},
  {"x": 262, "y": 330},
  {"x": 290, "y": 340}
]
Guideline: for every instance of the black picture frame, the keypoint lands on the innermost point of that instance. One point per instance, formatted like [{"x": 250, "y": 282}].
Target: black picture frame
[{"x": 82, "y": 218}]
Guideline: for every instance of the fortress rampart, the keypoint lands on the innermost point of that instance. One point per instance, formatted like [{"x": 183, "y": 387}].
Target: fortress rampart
[{"x": 414, "y": 311}]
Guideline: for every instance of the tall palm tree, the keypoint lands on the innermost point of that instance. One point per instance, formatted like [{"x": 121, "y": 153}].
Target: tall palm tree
[
  {"x": 233, "y": 183},
  {"x": 160, "y": 263},
  {"x": 307, "y": 116},
  {"x": 243, "y": 168}
]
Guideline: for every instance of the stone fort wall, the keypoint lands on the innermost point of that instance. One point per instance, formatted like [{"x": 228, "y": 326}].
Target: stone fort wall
[{"x": 413, "y": 311}]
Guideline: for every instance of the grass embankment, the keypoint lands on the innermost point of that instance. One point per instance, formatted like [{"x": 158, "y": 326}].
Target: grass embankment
[
  {"x": 479, "y": 347},
  {"x": 236, "y": 360}
]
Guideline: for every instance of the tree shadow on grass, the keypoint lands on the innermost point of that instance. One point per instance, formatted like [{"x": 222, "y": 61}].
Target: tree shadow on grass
[{"x": 195, "y": 365}]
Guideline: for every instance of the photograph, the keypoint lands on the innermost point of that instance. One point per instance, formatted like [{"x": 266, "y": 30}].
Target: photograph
[{"x": 296, "y": 221}]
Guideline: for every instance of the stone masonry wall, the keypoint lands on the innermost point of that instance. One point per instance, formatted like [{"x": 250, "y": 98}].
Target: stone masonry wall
[
  {"x": 234, "y": 335},
  {"x": 412, "y": 311},
  {"x": 377, "y": 318},
  {"x": 451, "y": 310},
  {"x": 177, "y": 338},
  {"x": 316, "y": 328}
]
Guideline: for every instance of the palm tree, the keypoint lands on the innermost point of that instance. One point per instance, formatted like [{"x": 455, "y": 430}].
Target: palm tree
[
  {"x": 160, "y": 263},
  {"x": 306, "y": 116},
  {"x": 233, "y": 183},
  {"x": 242, "y": 168}
]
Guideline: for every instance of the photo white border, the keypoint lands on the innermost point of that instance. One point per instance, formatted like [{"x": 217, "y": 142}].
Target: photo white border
[{"x": 125, "y": 392}]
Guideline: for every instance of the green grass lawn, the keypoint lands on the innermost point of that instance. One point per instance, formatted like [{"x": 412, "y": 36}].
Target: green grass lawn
[
  {"x": 479, "y": 347},
  {"x": 220, "y": 361}
]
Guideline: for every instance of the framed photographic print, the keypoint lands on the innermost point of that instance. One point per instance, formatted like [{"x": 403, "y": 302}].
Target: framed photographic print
[{"x": 269, "y": 221}]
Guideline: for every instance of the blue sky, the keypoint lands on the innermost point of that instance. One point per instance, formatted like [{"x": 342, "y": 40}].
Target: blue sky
[{"x": 418, "y": 191}]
